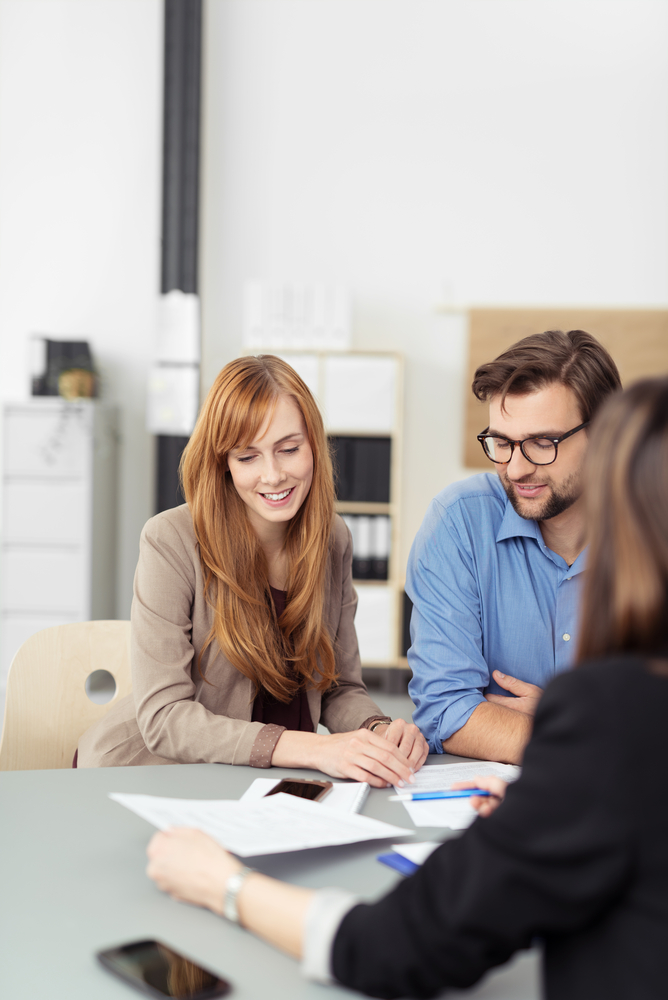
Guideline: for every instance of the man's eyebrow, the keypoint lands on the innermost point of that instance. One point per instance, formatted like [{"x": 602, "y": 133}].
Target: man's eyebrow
[{"x": 536, "y": 434}]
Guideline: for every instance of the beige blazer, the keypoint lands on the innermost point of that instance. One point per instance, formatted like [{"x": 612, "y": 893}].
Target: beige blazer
[{"x": 173, "y": 715}]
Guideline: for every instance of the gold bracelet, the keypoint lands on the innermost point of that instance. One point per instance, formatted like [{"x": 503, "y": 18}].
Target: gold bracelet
[{"x": 379, "y": 722}]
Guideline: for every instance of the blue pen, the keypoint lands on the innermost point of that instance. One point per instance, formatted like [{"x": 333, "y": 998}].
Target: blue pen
[{"x": 451, "y": 793}]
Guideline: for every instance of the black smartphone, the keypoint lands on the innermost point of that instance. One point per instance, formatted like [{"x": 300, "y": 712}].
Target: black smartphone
[
  {"x": 160, "y": 971},
  {"x": 303, "y": 788}
]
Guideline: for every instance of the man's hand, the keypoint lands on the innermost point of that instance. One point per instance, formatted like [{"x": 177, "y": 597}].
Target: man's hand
[{"x": 527, "y": 695}]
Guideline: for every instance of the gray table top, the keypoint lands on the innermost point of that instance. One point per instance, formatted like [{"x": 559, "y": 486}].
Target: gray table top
[{"x": 72, "y": 881}]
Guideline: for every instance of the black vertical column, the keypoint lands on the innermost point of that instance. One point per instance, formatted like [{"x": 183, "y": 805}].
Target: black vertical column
[{"x": 180, "y": 191}]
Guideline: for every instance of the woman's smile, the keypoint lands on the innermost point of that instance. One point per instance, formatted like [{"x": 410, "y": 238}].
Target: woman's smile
[{"x": 273, "y": 474}]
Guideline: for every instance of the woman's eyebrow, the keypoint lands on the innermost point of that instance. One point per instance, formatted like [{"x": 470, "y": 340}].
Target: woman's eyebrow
[{"x": 286, "y": 437}]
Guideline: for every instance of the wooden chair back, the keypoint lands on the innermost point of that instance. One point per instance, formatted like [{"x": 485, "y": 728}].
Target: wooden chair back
[{"x": 47, "y": 708}]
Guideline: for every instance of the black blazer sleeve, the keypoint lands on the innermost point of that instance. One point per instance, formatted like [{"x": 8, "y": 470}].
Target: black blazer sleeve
[{"x": 549, "y": 861}]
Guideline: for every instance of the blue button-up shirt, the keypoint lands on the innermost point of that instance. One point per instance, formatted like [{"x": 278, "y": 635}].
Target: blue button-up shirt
[{"x": 487, "y": 595}]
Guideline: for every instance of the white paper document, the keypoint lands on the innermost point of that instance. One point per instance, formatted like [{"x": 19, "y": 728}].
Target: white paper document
[
  {"x": 346, "y": 796},
  {"x": 457, "y": 814},
  {"x": 267, "y": 826}
]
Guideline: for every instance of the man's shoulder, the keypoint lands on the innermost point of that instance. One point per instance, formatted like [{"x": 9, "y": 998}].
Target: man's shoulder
[
  {"x": 467, "y": 514},
  {"x": 476, "y": 495}
]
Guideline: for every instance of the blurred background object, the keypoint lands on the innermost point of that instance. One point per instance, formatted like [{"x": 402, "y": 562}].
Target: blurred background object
[{"x": 62, "y": 368}]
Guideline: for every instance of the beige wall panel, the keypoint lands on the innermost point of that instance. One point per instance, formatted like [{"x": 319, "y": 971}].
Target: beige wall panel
[{"x": 636, "y": 338}]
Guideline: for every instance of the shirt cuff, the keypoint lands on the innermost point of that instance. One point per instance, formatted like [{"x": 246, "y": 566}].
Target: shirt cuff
[
  {"x": 323, "y": 918},
  {"x": 264, "y": 745},
  {"x": 375, "y": 718}
]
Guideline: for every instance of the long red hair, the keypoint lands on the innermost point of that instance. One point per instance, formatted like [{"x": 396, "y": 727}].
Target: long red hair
[{"x": 278, "y": 655}]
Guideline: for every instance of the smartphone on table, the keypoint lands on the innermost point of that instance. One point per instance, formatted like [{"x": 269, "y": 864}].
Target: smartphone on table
[
  {"x": 303, "y": 788},
  {"x": 160, "y": 971}
]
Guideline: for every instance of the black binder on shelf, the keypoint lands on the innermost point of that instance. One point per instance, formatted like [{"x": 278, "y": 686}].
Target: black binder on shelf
[{"x": 362, "y": 468}]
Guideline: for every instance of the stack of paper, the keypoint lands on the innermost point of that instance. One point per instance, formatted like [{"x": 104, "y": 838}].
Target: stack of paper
[
  {"x": 347, "y": 796},
  {"x": 458, "y": 814},
  {"x": 266, "y": 826}
]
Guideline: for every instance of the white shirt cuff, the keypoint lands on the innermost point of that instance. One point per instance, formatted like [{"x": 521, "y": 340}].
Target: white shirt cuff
[{"x": 323, "y": 918}]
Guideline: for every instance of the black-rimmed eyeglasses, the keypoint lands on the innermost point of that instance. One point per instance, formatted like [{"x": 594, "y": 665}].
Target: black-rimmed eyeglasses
[{"x": 537, "y": 450}]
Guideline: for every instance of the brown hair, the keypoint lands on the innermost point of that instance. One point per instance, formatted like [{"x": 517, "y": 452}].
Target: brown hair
[
  {"x": 575, "y": 359},
  {"x": 235, "y": 569},
  {"x": 625, "y": 599}
]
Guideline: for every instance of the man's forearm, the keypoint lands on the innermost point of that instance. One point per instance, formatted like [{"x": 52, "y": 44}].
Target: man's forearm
[{"x": 492, "y": 732}]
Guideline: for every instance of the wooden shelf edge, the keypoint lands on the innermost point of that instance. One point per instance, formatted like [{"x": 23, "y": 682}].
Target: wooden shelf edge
[{"x": 365, "y": 507}]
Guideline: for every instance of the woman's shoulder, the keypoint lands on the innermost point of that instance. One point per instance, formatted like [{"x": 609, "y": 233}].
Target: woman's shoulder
[
  {"x": 606, "y": 692},
  {"x": 173, "y": 526},
  {"x": 341, "y": 537}
]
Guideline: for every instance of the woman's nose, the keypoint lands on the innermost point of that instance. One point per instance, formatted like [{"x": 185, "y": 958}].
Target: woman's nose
[{"x": 272, "y": 472}]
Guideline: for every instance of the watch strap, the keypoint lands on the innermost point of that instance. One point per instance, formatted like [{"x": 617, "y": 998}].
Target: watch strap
[{"x": 232, "y": 890}]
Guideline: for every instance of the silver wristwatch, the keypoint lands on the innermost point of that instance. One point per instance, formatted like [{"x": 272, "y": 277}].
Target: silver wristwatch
[{"x": 232, "y": 890}]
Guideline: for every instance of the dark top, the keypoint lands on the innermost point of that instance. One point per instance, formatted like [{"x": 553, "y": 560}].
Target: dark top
[
  {"x": 576, "y": 854},
  {"x": 294, "y": 715}
]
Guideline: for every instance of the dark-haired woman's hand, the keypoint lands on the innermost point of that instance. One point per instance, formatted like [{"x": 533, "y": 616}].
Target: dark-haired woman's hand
[
  {"x": 495, "y": 786},
  {"x": 190, "y": 866},
  {"x": 408, "y": 738}
]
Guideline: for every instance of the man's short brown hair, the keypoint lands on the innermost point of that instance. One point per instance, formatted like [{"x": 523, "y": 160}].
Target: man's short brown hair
[{"x": 574, "y": 359}]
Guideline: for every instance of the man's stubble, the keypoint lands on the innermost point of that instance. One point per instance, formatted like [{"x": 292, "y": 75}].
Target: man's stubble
[{"x": 560, "y": 497}]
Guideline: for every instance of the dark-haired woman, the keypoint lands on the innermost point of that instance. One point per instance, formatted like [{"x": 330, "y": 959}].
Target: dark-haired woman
[
  {"x": 243, "y": 638},
  {"x": 576, "y": 852}
]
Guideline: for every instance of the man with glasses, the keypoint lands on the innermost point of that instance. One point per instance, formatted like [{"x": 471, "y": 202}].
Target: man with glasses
[{"x": 493, "y": 572}]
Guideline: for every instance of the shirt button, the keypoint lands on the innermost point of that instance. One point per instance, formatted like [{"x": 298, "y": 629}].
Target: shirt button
[
  {"x": 565, "y": 637},
  {"x": 569, "y": 577}
]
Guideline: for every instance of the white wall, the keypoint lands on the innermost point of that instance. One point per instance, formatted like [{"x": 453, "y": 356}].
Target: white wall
[
  {"x": 80, "y": 181},
  {"x": 506, "y": 152}
]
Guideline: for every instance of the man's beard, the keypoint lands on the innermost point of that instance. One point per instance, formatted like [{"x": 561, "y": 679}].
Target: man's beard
[{"x": 560, "y": 498}]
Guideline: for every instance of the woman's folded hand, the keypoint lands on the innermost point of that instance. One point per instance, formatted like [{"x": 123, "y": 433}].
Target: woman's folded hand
[
  {"x": 408, "y": 739},
  {"x": 365, "y": 756}
]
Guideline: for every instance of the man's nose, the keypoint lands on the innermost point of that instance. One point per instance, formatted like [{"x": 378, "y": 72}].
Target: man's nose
[{"x": 519, "y": 466}]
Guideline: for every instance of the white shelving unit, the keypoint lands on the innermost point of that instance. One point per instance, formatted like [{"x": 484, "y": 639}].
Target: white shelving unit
[
  {"x": 58, "y": 518},
  {"x": 361, "y": 395}
]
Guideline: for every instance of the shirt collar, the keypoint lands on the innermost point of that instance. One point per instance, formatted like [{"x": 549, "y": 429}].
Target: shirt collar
[{"x": 514, "y": 526}]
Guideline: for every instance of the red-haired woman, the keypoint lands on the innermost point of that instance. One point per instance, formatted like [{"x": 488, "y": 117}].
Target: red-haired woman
[
  {"x": 576, "y": 852},
  {"x": 242, "y": 620}
]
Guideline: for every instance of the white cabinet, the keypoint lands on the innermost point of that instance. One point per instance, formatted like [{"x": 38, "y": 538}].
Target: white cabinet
[{"x": 58, "y": 518}]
